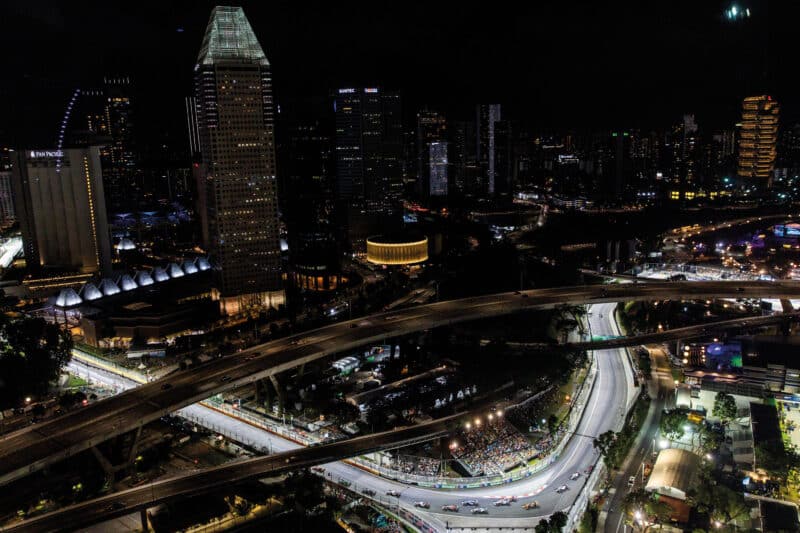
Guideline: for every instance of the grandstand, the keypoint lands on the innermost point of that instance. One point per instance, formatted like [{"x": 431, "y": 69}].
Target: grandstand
[{"x": 492, "y": 447}]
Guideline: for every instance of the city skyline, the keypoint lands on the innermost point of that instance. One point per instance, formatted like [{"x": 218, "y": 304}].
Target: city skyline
[
  {"x": 424, "y": 267},
  {"x": 682, "y": 56}
]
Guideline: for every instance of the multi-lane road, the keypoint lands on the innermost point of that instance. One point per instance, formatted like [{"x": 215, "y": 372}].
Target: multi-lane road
[
  {"x": 30, "y": 449},
  {"x": 612, "y": 392},
  {"x": 604, "y": 410}
]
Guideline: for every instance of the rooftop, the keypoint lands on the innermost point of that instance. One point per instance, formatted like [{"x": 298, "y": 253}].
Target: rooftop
[{"x": 229, "y": 37}]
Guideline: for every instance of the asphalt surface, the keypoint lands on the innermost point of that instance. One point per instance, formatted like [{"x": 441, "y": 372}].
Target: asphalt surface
[
  {"x": 604, "y": 410},
  {"x": 34, "y": 447},
  {"x": 208, "y": 479},
  {"x": 661, "y": 388},
  {"x": 613, "y": 389}
]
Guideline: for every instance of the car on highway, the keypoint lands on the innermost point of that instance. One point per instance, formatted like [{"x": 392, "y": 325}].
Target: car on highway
[
  {"x": 480, "y": 510},
  {"x": 422, "y": 505},
  {"x": 631, "y": 481},
  {"x": 394, "y": 493},
  {"x": 562, "y": 488},
  {"x": 470, "y": 503},
  {"x": 739, "y": 289},
  {"x": 502, "y": 502},
  {"x": 531, "y": 505},
  {"x": 318, "y": 469},
  {"x": 589, "y": 469},
  {"x": 368, "y": 492},
  {"x": 575, "y": 475},
  {"x": 115, "y": 506},
  {"x": 353, "y": 325},
  {"x": 225, "y": 379},
  {"x": 450, "y": 508}
]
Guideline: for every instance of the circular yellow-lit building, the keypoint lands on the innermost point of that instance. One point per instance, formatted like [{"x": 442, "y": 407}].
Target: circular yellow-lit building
[{"x": 397, "y": 250}]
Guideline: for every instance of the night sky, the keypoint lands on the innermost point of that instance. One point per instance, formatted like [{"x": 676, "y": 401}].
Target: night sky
[{"x": 554, "y": 65}]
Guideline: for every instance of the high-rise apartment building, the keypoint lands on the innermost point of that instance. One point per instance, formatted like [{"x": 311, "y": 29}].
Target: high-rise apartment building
[
  {"x": 758, "y": 137},
  {"x": 60, "y": 204},
  {"x": 368, "y": 152},
  {"x": 233, "y": 90}
]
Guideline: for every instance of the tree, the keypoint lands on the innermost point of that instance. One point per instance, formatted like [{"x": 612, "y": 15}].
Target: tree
[
  {"x": 710, "y": 440},
  {"x": 721, "y": 503},
  {"x": 556, "y": 524},
  {"x": 32, "y": 354},
  {"x": 552, "y": 424},
  {"x": 776, "y": 460},
  {"x": 724, "y": 407},
  {"x": 643, "y": 510},
  {"x": 558, "y": 521},
  {"x": 604, "y": 441},
  {"x": 672, "y": 423}
]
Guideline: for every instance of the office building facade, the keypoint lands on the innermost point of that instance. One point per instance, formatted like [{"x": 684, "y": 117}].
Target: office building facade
[
  {"x": 368, "y": 147},
  {"x": 233, "y": 91},
  {"x": 60, "y": 205},
  {"x": 437, "y": 169},
  {"x": 431, "y": 128},
  {"x": 486, "y": 117},
  {"x": 7, "y": 214}
]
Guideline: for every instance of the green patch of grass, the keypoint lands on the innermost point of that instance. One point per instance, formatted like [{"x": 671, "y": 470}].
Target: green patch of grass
[{"x": 75, "y": 381}]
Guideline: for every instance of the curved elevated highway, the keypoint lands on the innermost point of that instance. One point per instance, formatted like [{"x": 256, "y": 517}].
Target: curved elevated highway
[{"x": 32, "y": 448}]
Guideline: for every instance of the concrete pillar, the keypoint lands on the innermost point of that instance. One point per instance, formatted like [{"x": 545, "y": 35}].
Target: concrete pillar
[
  {"x": 145, "y": 521},
  {"x": 135, "y": 445},
  {"x": 105, "y": 464},
  {"x": 279, "y": 391}
]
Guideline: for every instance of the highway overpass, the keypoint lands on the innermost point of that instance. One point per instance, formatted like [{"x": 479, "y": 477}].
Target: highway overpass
[
  {"x": 210, "y": 479},
  {"x": 33, "y": 448}
]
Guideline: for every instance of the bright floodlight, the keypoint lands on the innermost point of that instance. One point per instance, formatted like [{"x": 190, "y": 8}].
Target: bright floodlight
[{"x": 663, "y": 444}]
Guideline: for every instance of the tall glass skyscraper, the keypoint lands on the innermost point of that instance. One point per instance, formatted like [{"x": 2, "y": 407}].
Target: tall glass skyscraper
[
  {"x": 368, "y": 148},
  {"x": 233, "y": 91}
]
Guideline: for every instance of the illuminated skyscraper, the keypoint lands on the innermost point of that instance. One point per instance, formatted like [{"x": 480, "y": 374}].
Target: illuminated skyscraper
[
  {"x": 123, "y": 183},
  {"x": 59, "y": 201},
  {"x": 758, "y": 137},
  {"x": 437, "y": 182},
  {"x": 431, "y": 128},
  {"x": 368, "y": 150},
  {"x": 487, "y": 116},
  {"x": 233, "y": 88}
]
